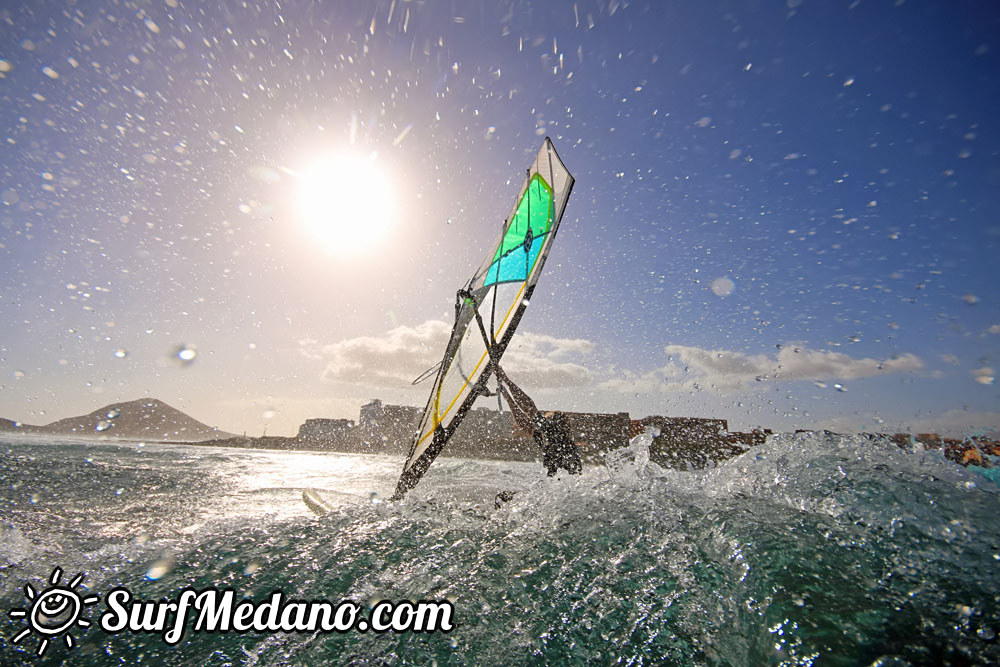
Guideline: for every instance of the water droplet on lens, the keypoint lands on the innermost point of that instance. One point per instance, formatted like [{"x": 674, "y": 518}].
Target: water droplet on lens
[
  {"x": 186, "y": 354},
  {"x": 113, "y": 413},
  {"x": 121, "y": 353},
  {"x": 102, "y": 425},
  {"x": 160, "y": 568},
  {"x": 723, "y": 286}
]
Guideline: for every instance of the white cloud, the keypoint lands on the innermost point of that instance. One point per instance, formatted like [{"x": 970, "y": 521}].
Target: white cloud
[
  {"x": 984, "y": 375},
  {"x": 804, "y": 364},
  {"x": 395, "y": 358},
  {"x": 662, "y": 379},
  {"x": 691, "y": 368},
  {"x": 548, "y": 362},
  {"x": 541, "y": 345}
]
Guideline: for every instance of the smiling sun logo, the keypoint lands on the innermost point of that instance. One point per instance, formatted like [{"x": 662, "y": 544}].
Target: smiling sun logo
[{"x": 53, "y": 611}]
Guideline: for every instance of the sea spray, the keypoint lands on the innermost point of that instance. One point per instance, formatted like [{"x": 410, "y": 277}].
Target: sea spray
[{"x": 811, "y": 547}]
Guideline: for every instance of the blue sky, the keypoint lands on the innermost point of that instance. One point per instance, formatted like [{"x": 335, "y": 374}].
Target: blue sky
[{"x": 772, "y": 199}]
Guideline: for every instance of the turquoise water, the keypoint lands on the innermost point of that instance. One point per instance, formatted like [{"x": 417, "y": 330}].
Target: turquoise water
[{"x": 810, "y": 549}]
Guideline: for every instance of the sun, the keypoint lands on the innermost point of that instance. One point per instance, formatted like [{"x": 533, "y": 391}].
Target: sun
[
  {"x": 54, "y": 611},
  {"x": 346, "y": 202}
]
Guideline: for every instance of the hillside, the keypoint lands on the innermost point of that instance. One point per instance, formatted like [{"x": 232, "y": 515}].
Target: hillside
[
  {"x": 142, "y": 419},
  {"x": 11, "y": 425}
]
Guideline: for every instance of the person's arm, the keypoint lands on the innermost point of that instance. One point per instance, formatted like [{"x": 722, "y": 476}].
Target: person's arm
[
  {"x": 523, "y": 419},
  {"x": 524, "y": 409}
]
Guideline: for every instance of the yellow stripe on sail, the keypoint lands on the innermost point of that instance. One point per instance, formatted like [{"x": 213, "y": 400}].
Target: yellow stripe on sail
[{"x": 438, "y": 417}]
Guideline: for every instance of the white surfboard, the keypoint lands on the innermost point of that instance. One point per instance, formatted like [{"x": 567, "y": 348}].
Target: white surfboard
[{"x": 316, "y": 502}]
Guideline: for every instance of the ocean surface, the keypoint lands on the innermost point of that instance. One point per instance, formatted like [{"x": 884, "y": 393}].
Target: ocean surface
[{"x": 811, "y": 549}]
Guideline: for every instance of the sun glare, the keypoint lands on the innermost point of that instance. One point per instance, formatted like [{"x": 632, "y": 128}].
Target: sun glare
[{"x": 346, "y": 201}]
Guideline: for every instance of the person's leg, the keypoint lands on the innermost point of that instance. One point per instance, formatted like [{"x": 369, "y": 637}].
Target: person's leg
[
  {"x": 571, "y": 460},
  {"x": 564, "y": 452},
  {"x": 549, "y": 459}
]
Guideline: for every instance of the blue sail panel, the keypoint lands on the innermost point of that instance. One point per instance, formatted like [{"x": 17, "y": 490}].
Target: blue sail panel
[{"x": 514, "y": 266}]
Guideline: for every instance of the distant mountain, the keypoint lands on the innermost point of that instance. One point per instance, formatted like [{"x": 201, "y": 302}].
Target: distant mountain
[
  {"x": 10, "y": 425},
  {"x": 143, "y": 419}
]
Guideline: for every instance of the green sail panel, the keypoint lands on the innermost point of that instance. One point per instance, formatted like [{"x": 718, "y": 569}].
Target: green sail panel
[{"x": 531, "y": 222}]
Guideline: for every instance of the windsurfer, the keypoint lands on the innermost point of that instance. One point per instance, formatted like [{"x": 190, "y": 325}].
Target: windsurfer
[
  {"x": 550, "y": 430},
  {"x": 500, "y": 289}
]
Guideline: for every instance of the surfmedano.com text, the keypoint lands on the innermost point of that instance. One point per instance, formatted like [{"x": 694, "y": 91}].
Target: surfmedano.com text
[{"x": 220, "y": 611}]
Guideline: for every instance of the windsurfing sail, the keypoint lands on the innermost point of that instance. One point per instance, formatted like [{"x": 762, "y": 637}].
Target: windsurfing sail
[{"x": 489, "y": 308}]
